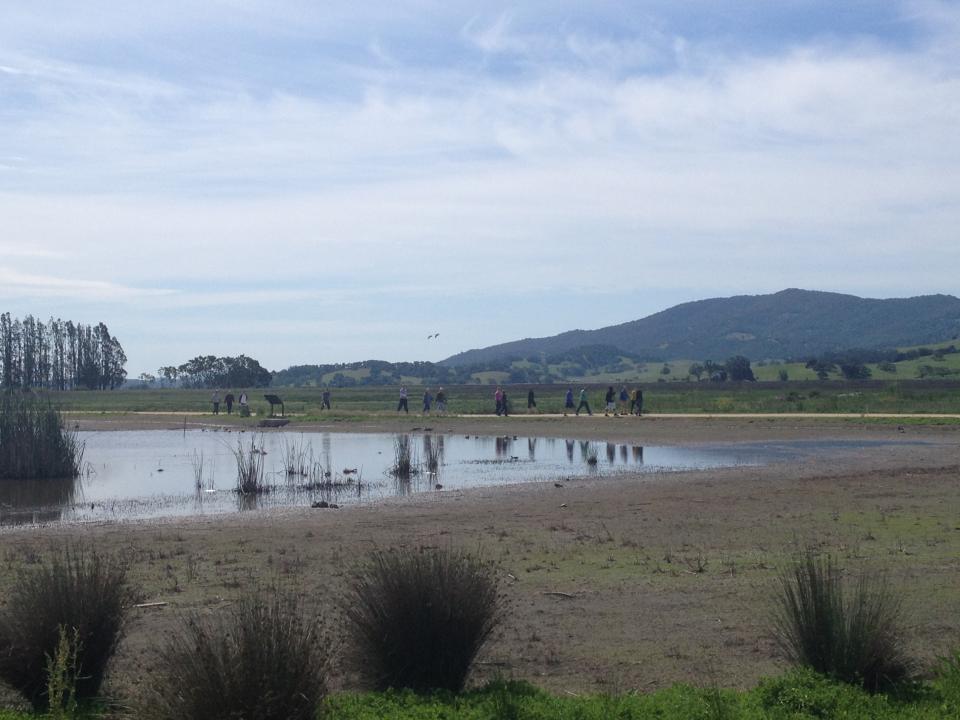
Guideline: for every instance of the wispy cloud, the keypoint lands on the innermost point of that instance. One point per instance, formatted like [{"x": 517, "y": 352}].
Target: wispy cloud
[{"x": 17, "y": 285}]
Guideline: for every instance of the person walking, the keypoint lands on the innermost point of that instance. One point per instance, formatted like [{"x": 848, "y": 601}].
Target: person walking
[
  {"x": 427, "y": 399},
  {"x": 504, "y": 403},
  {"x": 583, "y": 402},
  {"x": 228, "y": 399},
  {"x": 325, "y": 399},
  {"x": 215, "y": 399},
  {"x": 531, "y": 401},
  {"x": 498, "y": 398},
  {"x": 639, "y": 405},
  {"x": 244, "y": 404},
  {"x": 568, "y": 401},
  {"x": 441, "y": 402},
  {"x": 633, "y": 400},
  {"x": 611, "y": 404},
  {"x": 403, "y": 400},
  {"x": 623, "y": 399}
]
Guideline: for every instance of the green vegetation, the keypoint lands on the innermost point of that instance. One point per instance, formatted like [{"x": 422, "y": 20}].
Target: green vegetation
[
  {"x": 854, "y": 635},
  {"x": 78, "y": 592},
  {"x": 210, "y": 371},
  {"x": 797, "y": 695},
  {"x": 417, "y": 618},
  {"x": 33, "y": 441},
  {"x": 872, "y": 396},
  {"x": 58, "y": 355},
  {"x": 261, "y": 659}
]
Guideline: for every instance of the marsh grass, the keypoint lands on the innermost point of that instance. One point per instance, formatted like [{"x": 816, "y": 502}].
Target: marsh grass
[
  {"x": 406, "y": 464},
  {"x": 82, "y": 592},
  {"x": 853, "y": 634},
  {"x": 203, "y": 472},
  {"x": 34, "y": 444},
  {"x": 417, "y": 618},
  {"x": 249, "y": 460},
  {"x": 262, "y": 658},
  {"x": 297, "y": 457},
  {"x": 433, "y": 447}
]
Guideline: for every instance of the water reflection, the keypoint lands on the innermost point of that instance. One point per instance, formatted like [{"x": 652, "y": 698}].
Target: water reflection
[
  {"x": 164, "y": 473},
  {"x": 37, "y": 501}
]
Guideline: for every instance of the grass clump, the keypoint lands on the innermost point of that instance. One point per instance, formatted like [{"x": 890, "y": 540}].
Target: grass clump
[
  {"x": 405, "y": 463},
  {"x": 34, "y": 444},
  {"x": 260, "y": 660},
  {"x": 249, "y": 460},
  {"x": 852, "y": 634},
  {"x": 77, "y": 594},
  {"x": 418, "y": 618}
]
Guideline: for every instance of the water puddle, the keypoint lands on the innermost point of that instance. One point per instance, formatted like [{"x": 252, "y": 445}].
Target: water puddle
[{"x": 152, "y": 474}]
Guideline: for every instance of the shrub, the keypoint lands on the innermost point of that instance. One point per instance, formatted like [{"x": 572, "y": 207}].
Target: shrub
[
  {"x": 33, "y": 441},
  {"x": 261, "y": 659},
  {"x": 418, "y": 618},
  {"x": 82, "y": 593},
  {"x": 854, "y": 636}
]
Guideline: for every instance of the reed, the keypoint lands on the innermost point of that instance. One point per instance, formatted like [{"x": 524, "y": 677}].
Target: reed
[
  {"x": 34, "y": 443},
  {"x": 249, "y": 460}
]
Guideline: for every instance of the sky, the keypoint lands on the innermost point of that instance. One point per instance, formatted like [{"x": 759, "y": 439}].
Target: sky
[{"x": 311, "y": 182}]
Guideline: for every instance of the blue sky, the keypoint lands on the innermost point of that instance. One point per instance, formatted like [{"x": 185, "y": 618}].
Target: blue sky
[{"x": 308, "y": 182}]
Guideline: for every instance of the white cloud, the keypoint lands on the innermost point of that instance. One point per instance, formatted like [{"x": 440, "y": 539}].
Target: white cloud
[
  {"x": 15, "y": 284},
  {"x": 535, "y": 160}
]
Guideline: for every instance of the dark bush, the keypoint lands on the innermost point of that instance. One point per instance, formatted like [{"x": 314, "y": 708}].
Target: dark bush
[
  {"x": 261, "y": 660},
  {"x": 851, "y": 635},
  {"x": 78, "y": 590},
  {"x": 418, "y": 618},
  {"x": 33, "y": 441}
]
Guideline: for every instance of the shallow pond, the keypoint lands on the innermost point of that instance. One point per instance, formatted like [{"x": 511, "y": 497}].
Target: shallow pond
[{"x": 149, "y": 474}]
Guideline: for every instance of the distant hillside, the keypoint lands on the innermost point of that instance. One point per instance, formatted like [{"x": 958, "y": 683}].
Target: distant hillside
[{"x": 788, "y": 324}]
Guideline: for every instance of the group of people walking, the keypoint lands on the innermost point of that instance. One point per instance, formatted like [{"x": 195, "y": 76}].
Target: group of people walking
[
  {"x": 635, "y": 398},
  {"x": 438, "y": 402},
  {"x": 429, "y": 400},
  {"x": 228, "y": 400}
]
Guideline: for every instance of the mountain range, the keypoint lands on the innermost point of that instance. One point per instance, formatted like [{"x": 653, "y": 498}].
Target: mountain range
[{"x": 791, "y": 323}]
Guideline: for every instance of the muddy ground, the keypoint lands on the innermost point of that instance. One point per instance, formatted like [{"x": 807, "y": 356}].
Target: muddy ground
[{"x": 613, "y": 584}]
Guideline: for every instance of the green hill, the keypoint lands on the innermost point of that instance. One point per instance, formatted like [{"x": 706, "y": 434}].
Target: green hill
[{"x": 788, "y": 324}]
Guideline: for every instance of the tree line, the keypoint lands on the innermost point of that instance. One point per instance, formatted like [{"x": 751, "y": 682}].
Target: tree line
[
  {"x": 59, "y": 355},
  {"x": 210, "y": 371}
]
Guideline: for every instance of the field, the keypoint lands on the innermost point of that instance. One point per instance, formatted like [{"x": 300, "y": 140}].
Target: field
[
  {"x": 872, "y": 396},
  {"x": 614, "y": 584}
]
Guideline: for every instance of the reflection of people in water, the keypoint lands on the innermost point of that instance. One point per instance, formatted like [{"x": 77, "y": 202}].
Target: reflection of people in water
[
  {"x": 532, "y": 448},
  {"x": 570, "y": 450},
  {"x": 638, "y": 454},
  {"x": 611, "y": 453},
  {"x": 623, "y": 454}
]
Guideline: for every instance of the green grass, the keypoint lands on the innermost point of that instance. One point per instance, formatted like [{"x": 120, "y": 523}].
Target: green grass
[
  {"x": 797, "y": 695},
  {"x": 689, "y": 397}
]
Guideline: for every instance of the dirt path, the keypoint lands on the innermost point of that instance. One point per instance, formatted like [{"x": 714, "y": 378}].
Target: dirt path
[{"x": 663, "y": 577}]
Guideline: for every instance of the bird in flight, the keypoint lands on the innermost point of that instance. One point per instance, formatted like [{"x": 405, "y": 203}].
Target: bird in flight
[{"x": 435, "y": 335}]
